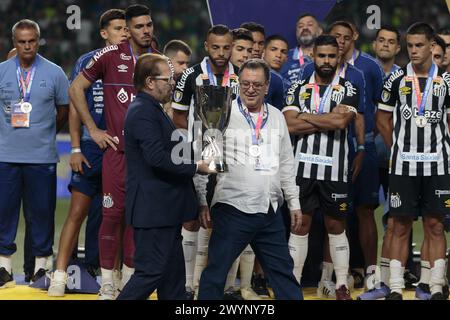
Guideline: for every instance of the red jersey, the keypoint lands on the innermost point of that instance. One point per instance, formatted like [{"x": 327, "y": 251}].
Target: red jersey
[{"x": 114, "y": 65}]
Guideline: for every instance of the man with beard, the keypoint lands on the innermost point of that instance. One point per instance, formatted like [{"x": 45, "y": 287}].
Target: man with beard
[
  {"x": 115, "y": 66},
  {"x": 444, "y": 33},
  {"x": 307, "y": 30},
  {"x": 319, "y": 110}
]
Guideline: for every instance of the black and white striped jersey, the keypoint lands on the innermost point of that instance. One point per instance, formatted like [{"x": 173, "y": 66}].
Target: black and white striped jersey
[
  {"x": 418, "y": 149},
  {"x": 322, "y": 155}
]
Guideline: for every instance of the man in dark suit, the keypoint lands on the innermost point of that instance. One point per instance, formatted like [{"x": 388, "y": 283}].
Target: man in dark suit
[{"x": 160, "y": 194}]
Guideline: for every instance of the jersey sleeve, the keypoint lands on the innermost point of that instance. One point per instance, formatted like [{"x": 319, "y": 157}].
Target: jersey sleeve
[
  {"x": 293, "y": 97},
  {"x": 184, "y": 90},
  {"x": 76, "y": 69},
  {"x": 360, "y": 84},
  {"x": 389, "y": 94},
  {"x": 377, "y": 80},
  {"x": 95, "y": 68},
  {"x": 446, "y": 77},
  {"x": 276, "y": 89},
  {"x": 61, "y": 88}
]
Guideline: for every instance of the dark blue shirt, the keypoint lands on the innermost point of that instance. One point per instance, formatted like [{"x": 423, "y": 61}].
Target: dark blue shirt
[
  {"x": 291, "y": 70},
  {"x": 275, "y": 96}
]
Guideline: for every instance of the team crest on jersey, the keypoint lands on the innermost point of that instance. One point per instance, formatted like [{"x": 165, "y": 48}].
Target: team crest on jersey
[
  {"x": 385, "y": 96},
  {"x": 90, "y": 64},
  {"x": 290, "y": 99},
  {"x": 409, "y": 78},
  {"x": 107, "y": 201},
  {"x": 439, "y": 89},
  {"x": 405, "y": 90},
  {"x": 177, "y": 95},
  {"x": 406, "y": 112},
  {"x": 123, "y": 56},
  {"x": 396, "y": 202},
  {"x": 122, "y": 95},
  {"x": 338, "y": 94}
]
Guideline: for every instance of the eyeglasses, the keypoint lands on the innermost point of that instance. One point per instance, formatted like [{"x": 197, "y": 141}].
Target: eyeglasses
[
  {"x": 257, "y": 86},
  {"x": 167, "y": 79}
]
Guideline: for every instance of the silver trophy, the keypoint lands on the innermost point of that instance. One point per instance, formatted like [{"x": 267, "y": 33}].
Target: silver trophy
[{"x": 213, "y": 108}]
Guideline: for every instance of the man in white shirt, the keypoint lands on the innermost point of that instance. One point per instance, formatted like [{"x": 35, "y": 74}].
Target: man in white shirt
[{"x": 247, "y": 198}]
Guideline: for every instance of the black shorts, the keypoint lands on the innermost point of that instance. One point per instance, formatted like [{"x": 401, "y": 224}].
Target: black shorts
[
  {"x": 408, "y": 195},
  {"x": 330, "y": 196}
]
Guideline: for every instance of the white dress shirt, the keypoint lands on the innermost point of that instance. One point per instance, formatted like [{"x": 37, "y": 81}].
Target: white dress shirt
[{"x": 250, "y": 190}]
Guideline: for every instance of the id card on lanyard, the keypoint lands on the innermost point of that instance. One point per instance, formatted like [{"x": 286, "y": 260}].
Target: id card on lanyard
[{"x": 21, "y": 111}]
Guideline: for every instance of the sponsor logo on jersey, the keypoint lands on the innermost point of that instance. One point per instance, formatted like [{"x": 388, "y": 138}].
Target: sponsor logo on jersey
[
  {"x": 294, "y": 86},
  {"x": 98, "y": 98},
  {"x": 433, "y": 116},
  {"x": 343, "y": 207},
  {"x": 396, "y": 202},
  {"x": 177, "y": 96},
  {"x": 107, "y": 201},
  {"x": 447, "y": 203},
  {"x": 405, "y": 91},
  {"x": 406, "y": 112},
  {"x": 385, "y": 96},
  {"x": 123, "y": 56},
  {"x": 122, "y": 96},
  {"x": 90, "y": 64},
  {"x": 182, "y": 82},
  {"x": 105, "y": 50},
  {"x": 122, "y": 68},
  {"x": 336, "y": 196},
  {"x": 394, "y": 75},
  {"x": 305, "y": 95}
]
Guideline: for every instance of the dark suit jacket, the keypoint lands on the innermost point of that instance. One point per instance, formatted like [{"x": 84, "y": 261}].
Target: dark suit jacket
[{"x": 159, "y": 193}]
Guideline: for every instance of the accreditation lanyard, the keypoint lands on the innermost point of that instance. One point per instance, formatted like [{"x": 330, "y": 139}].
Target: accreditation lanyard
[
  {"x": 342, "y": 70},
  {"x": 135, "y": 57},
  {"x": 212, "y": 78},
  {"x": 25, "y": 84},
  {"x": 422, "y": 98},
  {"x": 353, "y": 58},
  {"x": 260, "y": 123},
  {"x": 320, "y": 102},
  {"x": 298, "y": 53}
]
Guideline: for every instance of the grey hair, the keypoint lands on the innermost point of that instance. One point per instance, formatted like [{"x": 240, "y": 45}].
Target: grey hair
[{"x": 26, "y": 24}]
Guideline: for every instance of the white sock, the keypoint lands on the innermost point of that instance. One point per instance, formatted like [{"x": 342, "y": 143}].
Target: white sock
[
  {"x": 231, "y": 277},
  {"x": 190, "y": 241},
  {"x": 298, "y": 248},
  {"x": 437, "y": 278},
  {"x": 396, "y": 281},
  {"x": 384, "y": 270},
  {"x": 107, "y": 276},
  {"x": 60, "y": 276},
  {"x": 6, "y": 262},
  {"x": 340, "y": 255},
  {"x": 202, "y": 255},
  {"x": 246, "y": 267},
  {"x": 40, "y": 263},
  {"x": 127, "y": 272},
  {"x": 425, "y": 272},
  {"x": 327, "y": 271}
]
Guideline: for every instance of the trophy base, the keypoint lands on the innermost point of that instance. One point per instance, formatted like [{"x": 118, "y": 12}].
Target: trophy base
[{"x": 218, "y": 166}]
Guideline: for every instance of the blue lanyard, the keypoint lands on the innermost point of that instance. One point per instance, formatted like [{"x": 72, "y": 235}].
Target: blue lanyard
[
  {"x": 25, "y": 86},
  {"x": 250, "y": 122},
  {"x": 325, "y": 96},
  {"x": 421, "y": 110},
  {"x": 212, "y": 79}
]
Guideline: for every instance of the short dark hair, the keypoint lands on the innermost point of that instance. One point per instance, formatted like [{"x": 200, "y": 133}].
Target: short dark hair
[
  {"x": 218, "y": 30},
  {"x": 253, "y": 27},
  {"x": 444, "y": 31},
  {"x": 421, "y": 28},
  {"x": 136, "y": 10},
  {"x": 254, "y": 64},
  {"x": 148, "y": 65},
  {"x": 306, "y": 15},
  {"x": 325, "y": 40},
  {"x": 341, "y": 23},
  {"x": 109, "y": 15},
  {"x": 440, "y": 42},
  {"x": 241, "y": 34},
  {"x": 390, "y": 28},
  {"x": 173, "y": 46},
  {"x": 275, "y": 37}
]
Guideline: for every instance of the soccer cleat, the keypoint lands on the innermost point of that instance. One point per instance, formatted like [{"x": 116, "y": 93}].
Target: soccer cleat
[
  {"x": 231, "y": 294},
  {"x": 58, "y": 282},
  {"x": 410, "y": 279},
  {"x": 259, "y": 285},
  {"x": 342, "y": 293},
  {"x": 394, "y": 296},
  {"x": 6, "y": 279},
  {"x": 107, "y": 292},
  {"x": 249, "y": 294},
  {"x": 423, "y": 292},
  {"x": 437, "y": 296},
  {"x": 326, "y": 289},
  {"x": 37, "y": 275},
  {"x": 380, "y": 292}
]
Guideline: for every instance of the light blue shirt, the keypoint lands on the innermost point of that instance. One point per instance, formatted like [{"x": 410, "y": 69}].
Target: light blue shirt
[{"x": 50, "y": 88}]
